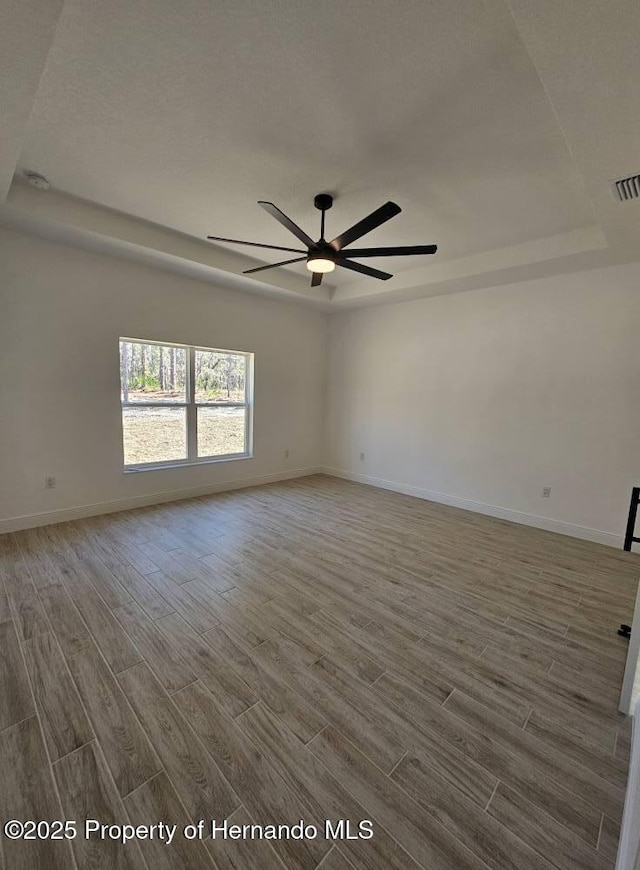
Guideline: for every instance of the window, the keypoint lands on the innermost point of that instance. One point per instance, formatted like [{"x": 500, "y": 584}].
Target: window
[{"x": 183, "y": 404}]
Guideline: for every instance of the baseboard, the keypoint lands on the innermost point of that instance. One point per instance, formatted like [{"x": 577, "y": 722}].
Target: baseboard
[
  {"x": 30, "y": 521},
  {"x": 572, "y": 530}
]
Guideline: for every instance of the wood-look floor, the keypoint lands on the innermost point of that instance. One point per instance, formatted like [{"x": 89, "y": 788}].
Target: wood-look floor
[{"x": 315, "y": 650}]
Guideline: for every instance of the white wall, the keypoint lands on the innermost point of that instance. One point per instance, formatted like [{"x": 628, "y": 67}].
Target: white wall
[
  {"x": 61, "y": 313},
  {"x": 628, "y": 857},
  {"x": 479, "y": 399},
  {"x": 489, "y": 395}
]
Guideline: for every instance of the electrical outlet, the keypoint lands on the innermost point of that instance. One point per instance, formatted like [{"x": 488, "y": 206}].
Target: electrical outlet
[
  {"x": 49, "y": 483},
  {"x": 546, "y": 492},
  {"x": 362, "y": 457},
  {"x": 286, "y": 453}
]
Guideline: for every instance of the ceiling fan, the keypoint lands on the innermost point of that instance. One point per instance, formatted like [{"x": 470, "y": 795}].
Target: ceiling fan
[{"x": 323, "y": 256}]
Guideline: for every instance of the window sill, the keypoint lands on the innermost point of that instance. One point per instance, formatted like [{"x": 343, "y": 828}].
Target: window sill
[{"x": 165, "y": 466}]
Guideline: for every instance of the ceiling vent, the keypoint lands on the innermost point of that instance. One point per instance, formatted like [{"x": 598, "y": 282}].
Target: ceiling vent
[{"x": 627, "y": 188}]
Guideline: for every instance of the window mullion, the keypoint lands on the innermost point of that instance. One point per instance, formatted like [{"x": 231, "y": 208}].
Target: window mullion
[{"x": 192, "y": 411}]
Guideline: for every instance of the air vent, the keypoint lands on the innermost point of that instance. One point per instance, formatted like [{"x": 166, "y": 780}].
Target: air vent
[{"x": 627, "y": 188}]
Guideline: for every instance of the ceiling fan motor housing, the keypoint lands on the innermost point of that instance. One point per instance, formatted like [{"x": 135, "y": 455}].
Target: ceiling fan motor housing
[{"x": 322, "y": 249}]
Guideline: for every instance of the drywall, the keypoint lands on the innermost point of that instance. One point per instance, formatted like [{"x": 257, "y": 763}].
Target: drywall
[
  {"x": 26, "y": 33},
  {"x": 630, "y": 692},
  {"x": 628, "y": 857},
  {"x": 477, "y": 399},
  {"x": 62, "y": 311},
  {"x": 481, "y": 399}
]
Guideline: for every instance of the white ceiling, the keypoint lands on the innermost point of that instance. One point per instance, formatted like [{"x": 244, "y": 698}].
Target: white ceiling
[
  {"x": 495, "y": 127},
  {"x": 26, "y": 33}
]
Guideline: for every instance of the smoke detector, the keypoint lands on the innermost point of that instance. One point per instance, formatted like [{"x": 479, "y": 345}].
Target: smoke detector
[{"x": 38, "y": 180}]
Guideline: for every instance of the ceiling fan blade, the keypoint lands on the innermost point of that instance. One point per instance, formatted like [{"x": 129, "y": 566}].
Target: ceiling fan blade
[
  {"x": 255, "y": 244},
  {"x": 403, "y": 251},
  {"x": 273, "y": 265},
  {"x": 281, "y": 217},
  {"x": 316, "y": 279},
  {"x": 365, "y": 270},
  {"x": 377, "y": 217}
]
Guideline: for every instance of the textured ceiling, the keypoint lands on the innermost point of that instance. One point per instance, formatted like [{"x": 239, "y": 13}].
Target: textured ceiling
[
  {"x": 185, "y": 114},
  {"x": 26, "y": 33}
]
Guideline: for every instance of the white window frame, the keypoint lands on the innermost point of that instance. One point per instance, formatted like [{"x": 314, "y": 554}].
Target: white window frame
[{"x": 191, "y": 408}]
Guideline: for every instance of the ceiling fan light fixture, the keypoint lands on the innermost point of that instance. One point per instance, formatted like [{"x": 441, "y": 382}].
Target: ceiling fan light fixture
[{"x": 320, "y": 264}]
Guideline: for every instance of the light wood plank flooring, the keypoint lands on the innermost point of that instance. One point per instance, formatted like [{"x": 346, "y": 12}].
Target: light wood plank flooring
[{"x": 315, "y": 650}]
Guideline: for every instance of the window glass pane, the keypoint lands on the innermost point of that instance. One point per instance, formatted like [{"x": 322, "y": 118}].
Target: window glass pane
[
  {"x": 220, "y": 377},
  {"x": 154, "y": 434},
  {"x": 152, "y": 372},
  {"x": 221, "y": 431}
]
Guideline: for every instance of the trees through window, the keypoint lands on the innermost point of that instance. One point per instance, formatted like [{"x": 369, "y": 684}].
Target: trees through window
[{"x": 183, "y": 404}]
